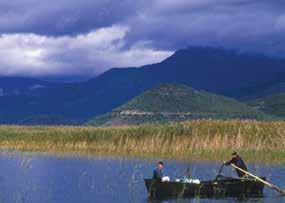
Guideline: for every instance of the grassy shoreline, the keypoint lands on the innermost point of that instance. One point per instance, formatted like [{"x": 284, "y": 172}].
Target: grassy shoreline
[{"x": 195, "y": 140}]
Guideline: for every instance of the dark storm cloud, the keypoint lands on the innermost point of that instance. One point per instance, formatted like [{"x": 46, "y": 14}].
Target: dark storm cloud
[
  {"x": 63, "y": 17},
  {"x": 246, "y": 25},
  {"x": 87, "y": 37}
]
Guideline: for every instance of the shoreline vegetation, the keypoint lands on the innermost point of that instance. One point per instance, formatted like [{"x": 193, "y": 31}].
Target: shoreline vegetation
[{"x": 193, "y": 140}]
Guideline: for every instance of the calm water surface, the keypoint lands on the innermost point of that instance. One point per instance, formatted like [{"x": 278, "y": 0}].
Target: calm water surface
[{"x": 38, "y": 178}]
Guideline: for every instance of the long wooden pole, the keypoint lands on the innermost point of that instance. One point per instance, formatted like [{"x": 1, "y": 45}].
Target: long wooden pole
[
  {"x": 270, "y": 185},
  {"x": 219, "y": 172}
]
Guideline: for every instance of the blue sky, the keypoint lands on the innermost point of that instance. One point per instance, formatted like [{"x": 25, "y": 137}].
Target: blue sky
[{"x": 62, "y": 38}]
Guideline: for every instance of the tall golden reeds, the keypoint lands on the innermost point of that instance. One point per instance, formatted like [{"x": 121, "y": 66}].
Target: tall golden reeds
[{"x": 210, "y": 139}]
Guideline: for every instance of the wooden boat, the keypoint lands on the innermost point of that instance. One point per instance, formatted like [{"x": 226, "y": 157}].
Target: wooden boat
[{"x": 221, "y": 187}]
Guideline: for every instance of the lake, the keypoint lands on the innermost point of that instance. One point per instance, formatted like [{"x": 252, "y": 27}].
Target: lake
[{"x": 34, "y": 178}]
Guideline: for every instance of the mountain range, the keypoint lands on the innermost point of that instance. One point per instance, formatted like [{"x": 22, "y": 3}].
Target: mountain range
[
  {"x": 273, "y": 105},
  {"x": 233, "y": 74},
  {"x": 174, "y": 103}
]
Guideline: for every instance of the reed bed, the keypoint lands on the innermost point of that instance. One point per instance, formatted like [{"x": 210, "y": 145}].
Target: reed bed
[{"x": 204, "y": 139}]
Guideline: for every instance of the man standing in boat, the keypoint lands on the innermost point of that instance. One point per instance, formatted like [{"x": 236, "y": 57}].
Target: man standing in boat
[
  {"x": 237, "y": 160},
  {"x": 157, "y": 173}
]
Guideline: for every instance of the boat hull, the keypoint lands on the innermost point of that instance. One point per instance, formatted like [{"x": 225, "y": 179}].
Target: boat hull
[{"x": 221, "y": 188}]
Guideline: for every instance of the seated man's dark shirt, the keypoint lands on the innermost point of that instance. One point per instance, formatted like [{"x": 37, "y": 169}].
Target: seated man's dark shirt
[{"x": 157, "y": 174}]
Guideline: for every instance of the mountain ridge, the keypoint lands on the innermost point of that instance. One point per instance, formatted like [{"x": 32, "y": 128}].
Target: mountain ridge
[
  {"x": 273, "y": 104},
  {"x": 176, "y": 102},
  {"x": 213, "y": 70}
]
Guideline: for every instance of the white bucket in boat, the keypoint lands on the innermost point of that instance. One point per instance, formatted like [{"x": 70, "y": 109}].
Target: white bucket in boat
[{"x": 165, "y": 179}]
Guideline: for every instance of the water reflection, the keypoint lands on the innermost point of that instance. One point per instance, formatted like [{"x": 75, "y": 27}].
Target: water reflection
[{"x": 44, "y": 178}]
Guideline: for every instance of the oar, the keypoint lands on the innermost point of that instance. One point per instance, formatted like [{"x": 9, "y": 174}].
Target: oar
[
  {"x": 220, "y": 171},
  {"x": 270, "y": 185}
]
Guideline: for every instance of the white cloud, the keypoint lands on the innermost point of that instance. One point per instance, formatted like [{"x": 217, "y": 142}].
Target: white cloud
[{"x": 84, "y": 54}]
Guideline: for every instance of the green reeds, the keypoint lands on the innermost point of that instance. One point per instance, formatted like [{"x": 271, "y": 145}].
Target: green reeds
[{"x": 204, "y": 139}]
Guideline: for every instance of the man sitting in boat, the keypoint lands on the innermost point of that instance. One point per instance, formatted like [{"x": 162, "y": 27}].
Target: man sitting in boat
[
  {"x": 157, "y": 173},
  {"x": 237, "y": 160}
]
